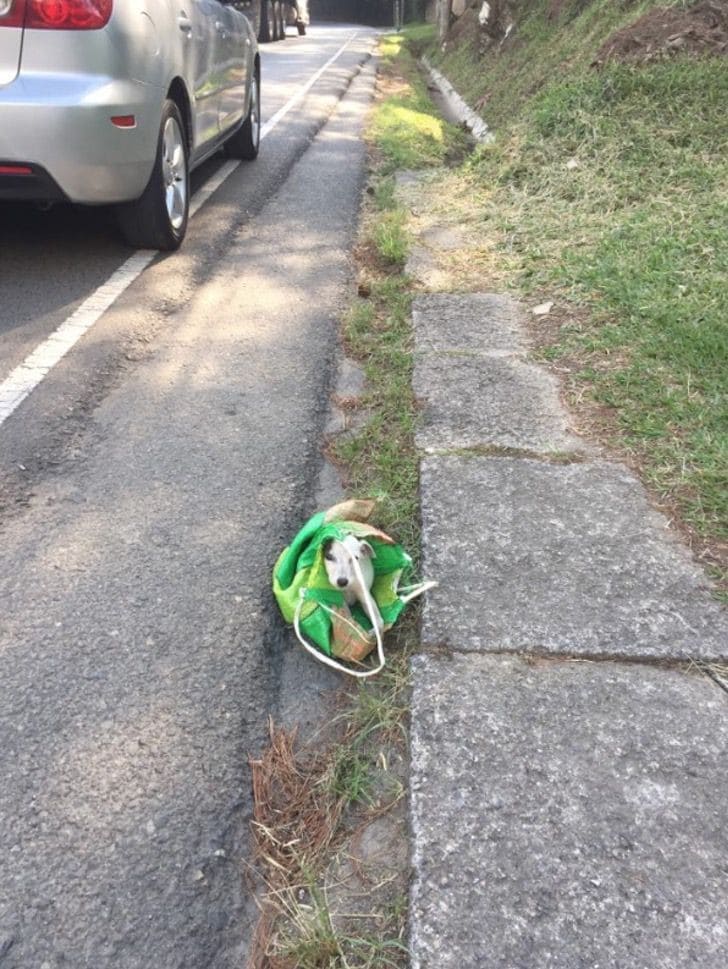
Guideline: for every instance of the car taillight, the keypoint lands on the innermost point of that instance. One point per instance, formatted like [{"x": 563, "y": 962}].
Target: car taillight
[
  {"x": 67, "y": 14},
  {"x": 12, "y": 13}
]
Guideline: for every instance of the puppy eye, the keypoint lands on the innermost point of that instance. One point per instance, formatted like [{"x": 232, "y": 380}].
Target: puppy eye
[{"x": 328, "y": 556}]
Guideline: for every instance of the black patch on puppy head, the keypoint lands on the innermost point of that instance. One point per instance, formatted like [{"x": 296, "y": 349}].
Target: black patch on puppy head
[
  {"x": 366, "y": 550},
  {"x": 326, "y": 548}
]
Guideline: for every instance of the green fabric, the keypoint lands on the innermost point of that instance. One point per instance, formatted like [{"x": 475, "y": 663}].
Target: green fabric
[
  {"x": 287, "y": 564},
  {"x": 317, "y": 628}
]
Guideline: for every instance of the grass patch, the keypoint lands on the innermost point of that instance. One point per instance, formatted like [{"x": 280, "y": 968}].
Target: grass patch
[
  {"x": 607, "y": 190},
  {"x": 542, "y": 47},
  {"x": 390, "y": 237},
  {"x": 381, "y": 461},
  {"x": 612, "y": 193},
  {"x": 405, "y": 131}
]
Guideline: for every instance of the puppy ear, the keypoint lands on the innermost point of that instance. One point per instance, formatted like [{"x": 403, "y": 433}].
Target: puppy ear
[{"x": 367, "y": 551}]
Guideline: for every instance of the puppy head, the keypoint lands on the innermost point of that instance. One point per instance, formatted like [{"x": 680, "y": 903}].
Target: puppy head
[{"x": 338, "y": 556}]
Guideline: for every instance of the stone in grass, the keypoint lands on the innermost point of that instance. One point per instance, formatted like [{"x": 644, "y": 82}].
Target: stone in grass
[
  {"x": 567, "y": 815},
  {"x": 559, "y": 559},
  {"x": 444, "y": 238},
  {"x": 369, "y": 876},
  {"x": 423, "y": 265},
  {"x": 350, "y": 379},
  {"x": 366, "y": 883}
]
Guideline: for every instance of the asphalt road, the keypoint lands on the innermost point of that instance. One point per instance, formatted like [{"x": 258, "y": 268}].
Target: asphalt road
[{"x": 146, "y": 488}]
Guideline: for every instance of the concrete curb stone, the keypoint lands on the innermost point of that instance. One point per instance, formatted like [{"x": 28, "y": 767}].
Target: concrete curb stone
[
  {"x": 567, "y": 815},
  {"x": 559, "y": 558},
  {"x": 474, "y": 322},
  {"x": 457, "y": 106},
  {"x": 568, "y": 803},
  {"x": 500, "y": 401}
]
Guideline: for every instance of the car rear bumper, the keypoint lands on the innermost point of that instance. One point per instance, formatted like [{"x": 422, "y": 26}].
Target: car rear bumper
[
  {"x": 29, "y": 183},
  {"x": 61, "y": 128}
]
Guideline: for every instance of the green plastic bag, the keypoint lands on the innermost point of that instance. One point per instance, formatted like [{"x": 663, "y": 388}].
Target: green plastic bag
[{"x": 334, "y": 632}]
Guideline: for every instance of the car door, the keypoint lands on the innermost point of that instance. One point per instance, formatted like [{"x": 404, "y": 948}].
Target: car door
[
  {"x": 196, "y": 20},
  {"x": 237, "y": 50}
]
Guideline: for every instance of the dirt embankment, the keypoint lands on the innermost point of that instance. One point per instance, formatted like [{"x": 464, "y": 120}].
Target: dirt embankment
[
  {"x": 699, "y": 30},
  {"x": 663, "y": 32}
]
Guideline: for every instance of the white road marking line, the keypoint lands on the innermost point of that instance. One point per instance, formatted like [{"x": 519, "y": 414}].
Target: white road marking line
[
  {"x": 272, "y": 122},
  {"x": 25, "y": 378}
]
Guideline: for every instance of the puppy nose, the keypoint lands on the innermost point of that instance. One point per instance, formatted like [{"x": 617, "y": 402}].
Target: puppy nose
[{"x": 341, "y": 581}]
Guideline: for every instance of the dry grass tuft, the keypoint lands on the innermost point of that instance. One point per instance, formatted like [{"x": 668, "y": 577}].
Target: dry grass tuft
[
  {"x": 309, "y": 802},
  {"x": 294, "y": 814},
  {"x": 718, "y": 672},
  {"x": 295, "y": 820}
]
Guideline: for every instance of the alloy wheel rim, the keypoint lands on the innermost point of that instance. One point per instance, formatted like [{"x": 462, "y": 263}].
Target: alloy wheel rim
[{"x": 174, "y": 171}]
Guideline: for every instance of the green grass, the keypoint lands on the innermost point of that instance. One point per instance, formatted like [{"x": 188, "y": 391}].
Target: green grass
[
  {"x": 637, "y": 231},
  {"x": 310, "y": 939},
  {"x": 390, "y": 237},
  {"x": 381, "y": 460},
  {"x": 405, "y": 132},
  {"x": 405, "y": 129},
  {"x": 541, "y": 50},
  {"x": 607, "y": 189}
]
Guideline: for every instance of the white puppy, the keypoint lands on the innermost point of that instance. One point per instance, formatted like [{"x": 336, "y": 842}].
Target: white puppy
[{"x": 355, "y": 582}]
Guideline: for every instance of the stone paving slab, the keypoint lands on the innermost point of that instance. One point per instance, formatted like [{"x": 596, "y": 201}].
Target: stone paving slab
[
  {"x": 476, "y": 322},
  {"x": 558, "y": 559},
  {"x": 444, "y": 238},
  {"x": 567, "y": 814},
  {"x": 423, "y": 265},
  {"x": 500, "y": 401}
]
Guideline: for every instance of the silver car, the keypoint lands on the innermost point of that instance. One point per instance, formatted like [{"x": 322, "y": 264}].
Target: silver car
[{"x": 115, "y": 101}]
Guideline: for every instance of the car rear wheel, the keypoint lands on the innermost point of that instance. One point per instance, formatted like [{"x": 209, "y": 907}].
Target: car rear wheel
[
  {"x": 245, "y": 143},
  {"x": 267, "y": 22},
  {"x": 158, "y": 218}
]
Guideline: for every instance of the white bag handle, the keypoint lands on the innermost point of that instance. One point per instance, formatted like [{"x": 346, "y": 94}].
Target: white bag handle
[{"x": 372, "y": 613}]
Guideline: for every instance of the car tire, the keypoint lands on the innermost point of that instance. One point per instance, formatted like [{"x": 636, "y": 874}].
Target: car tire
[
  {"x": 158, "y": 218},
  {"x": 267, "y": 22},
  {"x": 245, "y": 142}
]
